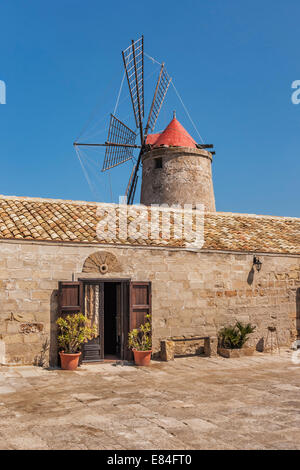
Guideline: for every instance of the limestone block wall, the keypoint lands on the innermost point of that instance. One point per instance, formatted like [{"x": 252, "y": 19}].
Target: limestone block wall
[
  {"x": 185, "y": 177},
  {"x": 192, "y": 293}
]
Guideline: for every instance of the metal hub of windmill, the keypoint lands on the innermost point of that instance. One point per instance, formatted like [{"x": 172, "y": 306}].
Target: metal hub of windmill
[{"x": 121, "y": 140}]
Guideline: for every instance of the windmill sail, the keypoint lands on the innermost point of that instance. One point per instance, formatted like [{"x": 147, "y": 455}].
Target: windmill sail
[
  {"x": 120, "y": 144},
  {"x": 133, "y": 58},
  {"x": 121, "y": 139},
  {"x": 162, "y": 86}
]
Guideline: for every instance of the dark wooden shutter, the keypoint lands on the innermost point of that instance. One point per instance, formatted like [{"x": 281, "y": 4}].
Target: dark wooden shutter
[
  {"x": 140, "y": 303},
  {"x": 140, "y": 306},
  {"x": 70, "y": 297}
]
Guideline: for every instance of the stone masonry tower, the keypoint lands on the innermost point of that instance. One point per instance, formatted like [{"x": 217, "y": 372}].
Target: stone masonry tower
[{"x": 175, "y": 171}]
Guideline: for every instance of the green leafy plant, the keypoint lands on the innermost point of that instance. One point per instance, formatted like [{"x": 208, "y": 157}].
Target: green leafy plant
[
  {"x": 234, "y": 337},
  {"x": 74, "y": 330},
  {"x": 141, "y": 338}
]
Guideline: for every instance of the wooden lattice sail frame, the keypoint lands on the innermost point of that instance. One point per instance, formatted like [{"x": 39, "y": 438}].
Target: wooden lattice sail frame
[
  {"x": 121, "y": 139},
  {"x": 122, "y": 135}
]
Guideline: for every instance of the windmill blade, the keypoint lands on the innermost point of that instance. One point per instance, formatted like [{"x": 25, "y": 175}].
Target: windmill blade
[
  {"x": 131, "y": 188},
  {"x": 120, "y": 144},
  {"x": 161, "y": 89},
  {"x": 133, "y": 58},
  {"x": 131, "y": 199},
  {"x": 130, "y": 180}
]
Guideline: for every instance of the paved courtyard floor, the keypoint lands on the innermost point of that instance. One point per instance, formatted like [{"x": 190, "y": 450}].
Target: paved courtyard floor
[{"x": 190, "y": 403}]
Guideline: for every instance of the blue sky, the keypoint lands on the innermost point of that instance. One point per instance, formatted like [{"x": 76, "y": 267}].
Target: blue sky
[{"x": 232, "y": 62}]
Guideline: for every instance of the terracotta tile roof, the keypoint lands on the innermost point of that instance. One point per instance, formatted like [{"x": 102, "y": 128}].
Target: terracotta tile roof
[{"x": 75, "y": 221}]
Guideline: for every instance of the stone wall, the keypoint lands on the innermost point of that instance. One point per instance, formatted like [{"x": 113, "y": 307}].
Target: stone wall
[
  {"x": 185, "y": 177},
  {"x": 192, "y": 293}
]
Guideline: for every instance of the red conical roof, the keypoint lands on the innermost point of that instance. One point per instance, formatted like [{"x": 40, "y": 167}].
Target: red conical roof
[{"x": 174, "y": 135}]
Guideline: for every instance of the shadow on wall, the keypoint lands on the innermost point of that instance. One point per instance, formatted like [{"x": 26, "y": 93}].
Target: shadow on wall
[
  {"x": 250, "y": 277},
  {"x": 260, "y": 345},
  {"x": 298, "y": 312},
  {"x": 53, "y": 352}
]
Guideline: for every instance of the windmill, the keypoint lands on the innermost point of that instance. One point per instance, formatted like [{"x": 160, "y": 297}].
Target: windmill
[{"x": 121, "y": 140}]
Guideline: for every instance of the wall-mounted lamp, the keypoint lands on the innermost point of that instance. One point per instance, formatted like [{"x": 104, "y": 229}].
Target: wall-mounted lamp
[{"x": 257, "y": 263}]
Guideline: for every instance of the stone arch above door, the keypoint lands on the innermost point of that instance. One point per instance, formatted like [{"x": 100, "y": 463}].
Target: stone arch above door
[{"x": 102, "y": 262}]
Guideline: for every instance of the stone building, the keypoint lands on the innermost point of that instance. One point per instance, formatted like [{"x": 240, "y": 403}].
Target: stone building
[{"x": 61, "y": 257}]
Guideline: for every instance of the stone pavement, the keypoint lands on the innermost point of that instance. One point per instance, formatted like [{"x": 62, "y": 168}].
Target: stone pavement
[{"x": 190, "y": 403}]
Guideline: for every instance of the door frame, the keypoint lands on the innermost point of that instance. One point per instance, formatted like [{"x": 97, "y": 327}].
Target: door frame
[{"x": 124, "y": 306}]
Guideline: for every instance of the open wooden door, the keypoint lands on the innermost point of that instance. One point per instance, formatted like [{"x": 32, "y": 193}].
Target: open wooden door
[
  {"x": 140, "y": 306},
  {"x": 133, "y": 303},
  {"x": 93, "y": 350},
  {"x": 75, "y": 297},
  {"x": 70, "y": 300},
  {"x": 123, "y": 311}
]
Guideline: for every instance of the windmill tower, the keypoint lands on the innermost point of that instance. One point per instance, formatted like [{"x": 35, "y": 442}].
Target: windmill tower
[{"x": 176, "y": 170}]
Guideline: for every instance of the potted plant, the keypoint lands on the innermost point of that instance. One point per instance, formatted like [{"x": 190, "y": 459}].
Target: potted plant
[
  {"x": 233, "y": 338},
  {"x": 74, "y": 330},
  {"x": 140, "y": 341}
]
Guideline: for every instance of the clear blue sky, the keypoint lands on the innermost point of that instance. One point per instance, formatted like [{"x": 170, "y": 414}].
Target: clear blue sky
[{"x": 232, "y": 61}]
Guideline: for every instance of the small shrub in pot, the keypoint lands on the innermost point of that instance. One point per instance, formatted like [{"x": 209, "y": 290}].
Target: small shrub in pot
[
  {"x": 234, "y": 337},
  {"x": 73, "y": 331},
  {"x": 140, "y": 341}
]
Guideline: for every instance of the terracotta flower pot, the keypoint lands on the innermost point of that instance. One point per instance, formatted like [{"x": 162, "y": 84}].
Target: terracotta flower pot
[
  {"x": 69, "y": 361},
  {"x": 142, "y": 358}
]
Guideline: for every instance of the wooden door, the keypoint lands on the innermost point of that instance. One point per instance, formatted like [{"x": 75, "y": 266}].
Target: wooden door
[
  {"x": 123, "y": 311},
  {"x": 133, "y": 304},
  {"x": 70, "y": 300},
  {"x": 140, "y": 303},
  {"x": 93, "y": 350},
  {"x": 140, "y": 306}
]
